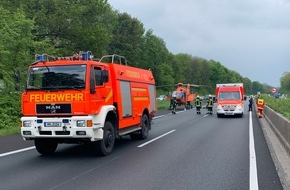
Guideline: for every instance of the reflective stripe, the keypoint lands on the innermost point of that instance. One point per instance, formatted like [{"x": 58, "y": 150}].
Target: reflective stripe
[
  {"x": 260, "y": 101},
  {"x": 260, "y": 104}
]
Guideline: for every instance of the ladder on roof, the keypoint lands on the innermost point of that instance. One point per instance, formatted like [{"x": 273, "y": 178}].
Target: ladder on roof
[{"x": 114, "y": 59}]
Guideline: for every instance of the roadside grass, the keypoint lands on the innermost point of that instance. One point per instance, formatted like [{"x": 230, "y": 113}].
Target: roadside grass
[
  {"x": 10, "y": 109},
  {"x": 10, "y": 131},
  {"x": 279, "y": 105},
  {"x": 161, "y": 105}
]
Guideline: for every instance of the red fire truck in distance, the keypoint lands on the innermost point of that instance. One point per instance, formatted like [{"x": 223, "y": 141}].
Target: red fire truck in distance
[{"x": 77, "y": 99}]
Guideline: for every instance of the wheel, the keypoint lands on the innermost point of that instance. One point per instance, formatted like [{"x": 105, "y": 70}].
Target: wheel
[
  {"x": 144, "y": 132},
  {"x": 45, "y": 146},
  {"x": 106, "y": 145},
  {"x": 145, "y": 125}
]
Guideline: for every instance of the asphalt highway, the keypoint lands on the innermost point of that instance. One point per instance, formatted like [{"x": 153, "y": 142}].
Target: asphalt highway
[{"x": 184, "y": 151}]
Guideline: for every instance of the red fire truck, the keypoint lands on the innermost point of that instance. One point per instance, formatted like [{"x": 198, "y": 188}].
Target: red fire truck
[{"x": 77, "y": 99}]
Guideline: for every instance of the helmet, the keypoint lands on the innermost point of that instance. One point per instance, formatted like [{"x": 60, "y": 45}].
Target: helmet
[
  {"x": 209, "y": 95},
  {"x": 197, "y": 96}
]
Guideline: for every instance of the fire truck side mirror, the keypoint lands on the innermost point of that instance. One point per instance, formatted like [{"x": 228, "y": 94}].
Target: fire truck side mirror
[
  {"x": 92, "y": 81},
  {"x": 245, "y": 98},
  {"x": 105, "y": 76}
]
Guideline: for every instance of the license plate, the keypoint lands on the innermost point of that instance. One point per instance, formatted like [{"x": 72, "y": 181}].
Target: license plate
[
  {"x": 229, "y": 113},
  {"x": 52, "y": 124}
]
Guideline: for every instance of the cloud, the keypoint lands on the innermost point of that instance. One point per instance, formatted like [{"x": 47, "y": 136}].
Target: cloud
[{"x": 249, "y": 36}]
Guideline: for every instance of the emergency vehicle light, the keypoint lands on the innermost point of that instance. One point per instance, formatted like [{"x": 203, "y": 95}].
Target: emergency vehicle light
[
  {"x": 39, "y": 121},
  {"x": 41, "y": 57},
  {"x": 86, "y": 55}
]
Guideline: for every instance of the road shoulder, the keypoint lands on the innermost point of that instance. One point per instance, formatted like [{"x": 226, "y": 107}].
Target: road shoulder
[{"x": 279, "y": 155}]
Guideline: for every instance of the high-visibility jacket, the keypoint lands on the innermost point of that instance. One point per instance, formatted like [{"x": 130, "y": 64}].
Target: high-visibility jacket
[
  {"x": 197, "y": 102},
  {"x": 210, "y": 102},
  {"x": 260, "y": 104}
]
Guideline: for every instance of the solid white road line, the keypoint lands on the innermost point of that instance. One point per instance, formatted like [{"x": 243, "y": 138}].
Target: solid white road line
[
  {"x": 16, "y": 151},
  {"x": 156, "y": 117},
  {"x": 144, "y": 144},
  {"x": 253, "y": 163}
]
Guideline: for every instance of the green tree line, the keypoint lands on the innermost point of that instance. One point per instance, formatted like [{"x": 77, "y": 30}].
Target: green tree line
[{"x": 61, "y": 28}]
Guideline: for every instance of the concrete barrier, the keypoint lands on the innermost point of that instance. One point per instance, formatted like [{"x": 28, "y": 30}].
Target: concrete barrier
[{"x": 280, "y": 125}]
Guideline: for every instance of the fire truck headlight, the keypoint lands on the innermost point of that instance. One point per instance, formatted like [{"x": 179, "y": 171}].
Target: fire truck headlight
[
  {"x": 81, "y": 123},
  {"x": 27, "y": 123}
]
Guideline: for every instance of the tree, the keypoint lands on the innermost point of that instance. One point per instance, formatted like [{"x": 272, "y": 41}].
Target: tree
[
  {"x": 70, "y": 25},
  {"x": 257, "y": 87},
  {"x": 248, "y": 86},
  {"x": 16, "y": 40},
  {"x": 285, "y": 81},
  {"x": 127, "y": 38},
  {"x": 154, "y": 54}
]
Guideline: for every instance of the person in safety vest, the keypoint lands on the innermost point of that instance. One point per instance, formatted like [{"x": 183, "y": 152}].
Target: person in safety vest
[
  {"x": 260, "y": 106},
  {"x": 258, "y": 96},
  {"x": 174, "y": 103},
  {"x": 209, "y": 104},
  {"x": 197, "y": 105}
]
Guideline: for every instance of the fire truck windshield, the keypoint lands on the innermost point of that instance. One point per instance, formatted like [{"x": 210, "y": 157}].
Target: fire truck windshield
[
  {"x": 229, "y": 96},
  {"x": 57, "y": 77}
]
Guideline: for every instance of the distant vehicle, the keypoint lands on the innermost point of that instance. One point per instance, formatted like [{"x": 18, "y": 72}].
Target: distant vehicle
[
  {"x": 183, "y": 95},
  {"x": 230, "y": 99},
  {"x": 161, "y": 98}
]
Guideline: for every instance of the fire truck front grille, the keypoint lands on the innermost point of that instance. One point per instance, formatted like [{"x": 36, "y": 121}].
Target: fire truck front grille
[
  {"x": 56, "y": 132},
  {"x": 53, "y": 108},
  {"x": 62, "y": 133},
  {"x": 229, "y": 107},
  {"x": 45, "y": 132}
]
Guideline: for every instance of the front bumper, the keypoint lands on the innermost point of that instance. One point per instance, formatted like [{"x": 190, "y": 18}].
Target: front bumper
[
  {"x": 35, "y": 127},
  {"x": 230, "y": 110}
]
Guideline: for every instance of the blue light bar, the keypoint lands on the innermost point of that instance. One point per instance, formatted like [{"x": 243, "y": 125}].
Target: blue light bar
[
  {"x": 39, "y": 121},
  {"x": 41, "y": 57},
  {"x": 86, "y": 55}
]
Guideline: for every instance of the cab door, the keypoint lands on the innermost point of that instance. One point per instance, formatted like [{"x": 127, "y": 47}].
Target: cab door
[{"x": 101, "y": 88}]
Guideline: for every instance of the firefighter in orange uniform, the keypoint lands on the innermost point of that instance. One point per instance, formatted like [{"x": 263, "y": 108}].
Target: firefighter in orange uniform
[{"x": 260, "y": 106}]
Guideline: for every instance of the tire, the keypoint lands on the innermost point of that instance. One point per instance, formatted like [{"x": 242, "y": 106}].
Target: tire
[
  {"x": 45, "y": 146},
  {"x": 144, "y": 132},
  {"x": 145, "y": 125},
  {"x": 106, "y": 145}
]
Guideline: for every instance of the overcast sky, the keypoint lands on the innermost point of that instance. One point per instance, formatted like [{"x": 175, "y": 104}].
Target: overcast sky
[{"x": 251, "y": 37}]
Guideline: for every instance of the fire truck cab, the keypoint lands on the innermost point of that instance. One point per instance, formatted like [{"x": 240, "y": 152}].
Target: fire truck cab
[{"x": 77, "y": 99}]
